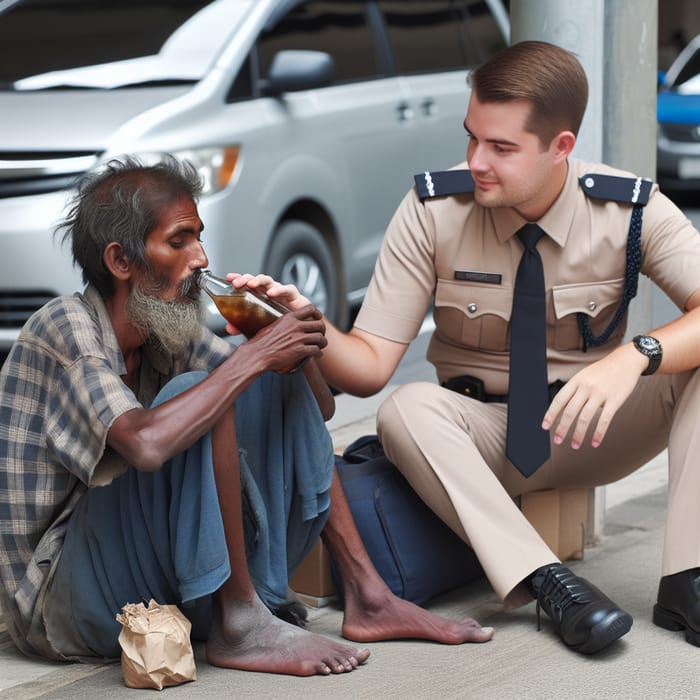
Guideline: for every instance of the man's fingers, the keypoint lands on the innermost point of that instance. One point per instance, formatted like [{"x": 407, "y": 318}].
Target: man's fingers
[
  {"x": 585, "y": 416},
  {"x": 566, "y": 417},
  {"x": 578, "y": 411},
  {"x": 310, "y": 313},
  {"x": 557, "y": 405},
  {"x": 603, "y": 424}
]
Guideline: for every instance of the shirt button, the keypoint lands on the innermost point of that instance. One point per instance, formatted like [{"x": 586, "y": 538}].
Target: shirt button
[
  {"x": 472, "y": 308},
  {"x": 592, "y": 306}
]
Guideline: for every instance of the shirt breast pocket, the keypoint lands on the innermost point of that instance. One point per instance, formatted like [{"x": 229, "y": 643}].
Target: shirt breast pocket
[
  {"x": 474, "y": 316},
  {"x": 597, "y": 300}
]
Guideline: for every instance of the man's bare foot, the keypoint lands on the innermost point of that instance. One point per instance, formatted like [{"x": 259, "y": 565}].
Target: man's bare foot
[
  {"x": 384, "y": 616},
  {"x": 250, "y": 638}
]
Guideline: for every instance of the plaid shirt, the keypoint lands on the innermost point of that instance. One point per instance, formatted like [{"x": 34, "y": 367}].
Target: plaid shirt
[{"x": 60, "y": 392}]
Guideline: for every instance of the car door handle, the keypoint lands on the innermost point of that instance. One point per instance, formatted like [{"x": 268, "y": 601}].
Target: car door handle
[
  {"x": 428, "y": 106},
  {"x": 405, "y": 111}
]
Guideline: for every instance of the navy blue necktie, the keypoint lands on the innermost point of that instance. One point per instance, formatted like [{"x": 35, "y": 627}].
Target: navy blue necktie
[{"x": 527, "y": 445}]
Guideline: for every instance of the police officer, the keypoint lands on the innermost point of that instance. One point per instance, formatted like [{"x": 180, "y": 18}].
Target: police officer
[{"x": 566, "y": 403}]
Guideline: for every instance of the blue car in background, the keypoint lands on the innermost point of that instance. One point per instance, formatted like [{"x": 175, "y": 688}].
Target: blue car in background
[{"x": 678, "y": 114}]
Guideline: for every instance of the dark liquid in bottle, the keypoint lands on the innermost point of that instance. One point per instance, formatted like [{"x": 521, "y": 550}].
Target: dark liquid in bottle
[{"x": 247, "y": 314}]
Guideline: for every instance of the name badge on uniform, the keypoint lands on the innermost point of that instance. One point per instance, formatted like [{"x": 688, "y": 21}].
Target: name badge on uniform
[{"x": 475, "y": 276}]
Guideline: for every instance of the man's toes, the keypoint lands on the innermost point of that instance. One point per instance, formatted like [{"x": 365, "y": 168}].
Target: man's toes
[
  {"x": 482, "y": 634},
  {"x": 361, "y": 655},
  {"x": 337, "y": 666},
  {"x": 471, "y": 622},
  {"x": 340, "y": 666}
]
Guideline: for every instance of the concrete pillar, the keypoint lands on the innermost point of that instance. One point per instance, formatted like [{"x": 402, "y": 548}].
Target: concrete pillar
[
  {"x": 576, "y": 25},
  {"x": 616, "y": 41}
]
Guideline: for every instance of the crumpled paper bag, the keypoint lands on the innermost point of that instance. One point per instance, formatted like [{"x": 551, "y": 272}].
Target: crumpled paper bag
[{"x": 156, "y": 647}]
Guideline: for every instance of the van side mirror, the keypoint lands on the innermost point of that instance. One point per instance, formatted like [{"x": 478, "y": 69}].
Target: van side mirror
[{"x": 294, "y": 70}]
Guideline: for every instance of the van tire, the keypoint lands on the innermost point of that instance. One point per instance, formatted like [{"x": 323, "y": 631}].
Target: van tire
[{"x": 300, "y": 256}]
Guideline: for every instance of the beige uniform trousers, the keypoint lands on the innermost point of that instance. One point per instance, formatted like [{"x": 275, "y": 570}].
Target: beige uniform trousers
[{"x": 451, "y": 448}]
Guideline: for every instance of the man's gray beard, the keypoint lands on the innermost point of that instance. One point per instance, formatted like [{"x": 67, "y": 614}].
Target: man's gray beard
[{"x": 173, "y": 324}]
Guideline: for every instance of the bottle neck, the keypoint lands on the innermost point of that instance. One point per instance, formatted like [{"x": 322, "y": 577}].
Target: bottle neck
[{"x": 212, "y": 284}]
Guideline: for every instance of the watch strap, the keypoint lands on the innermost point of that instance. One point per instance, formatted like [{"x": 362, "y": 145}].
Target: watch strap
[
  {"x": 653, "y": 354},
  {"x": 654, "y": 362}
]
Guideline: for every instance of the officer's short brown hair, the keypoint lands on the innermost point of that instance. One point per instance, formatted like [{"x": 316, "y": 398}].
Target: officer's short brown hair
[{"x": 547, "y": 76}]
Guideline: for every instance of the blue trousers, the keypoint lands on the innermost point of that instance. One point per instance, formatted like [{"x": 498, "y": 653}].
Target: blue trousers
[{"x": 160, "y": 534}]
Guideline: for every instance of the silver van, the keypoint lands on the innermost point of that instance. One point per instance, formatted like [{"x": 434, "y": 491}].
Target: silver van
[{"x": 307, "y": 119}]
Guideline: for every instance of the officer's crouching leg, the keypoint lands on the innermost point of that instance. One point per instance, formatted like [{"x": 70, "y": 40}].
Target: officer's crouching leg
[{"x": 430, "y": 434}]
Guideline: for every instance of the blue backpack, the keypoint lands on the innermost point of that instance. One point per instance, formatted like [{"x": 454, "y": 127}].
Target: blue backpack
[{"x": 415, "y": 553}]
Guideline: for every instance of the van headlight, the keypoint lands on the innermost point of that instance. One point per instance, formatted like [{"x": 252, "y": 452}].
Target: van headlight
[{"x": 216, "y": 164}]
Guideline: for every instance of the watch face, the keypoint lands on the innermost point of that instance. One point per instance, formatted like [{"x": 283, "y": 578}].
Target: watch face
[
  {"x": 647, "y": 343},
  {"x": 650, "y": 347}
]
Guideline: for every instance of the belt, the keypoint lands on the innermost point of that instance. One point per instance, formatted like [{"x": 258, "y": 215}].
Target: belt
[{"x": 474, "y": 388}]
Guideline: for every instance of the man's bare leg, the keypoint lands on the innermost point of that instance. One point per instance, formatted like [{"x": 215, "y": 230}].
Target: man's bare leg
[
  {"x": 372, "y": 612},
  {"x": 245, "y": 634}
]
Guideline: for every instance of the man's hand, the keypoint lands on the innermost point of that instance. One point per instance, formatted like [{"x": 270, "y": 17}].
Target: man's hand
[
  {"x": 600, "y": 388},
  {"x": 291, "y": 339},
  {"x": 287, "y": 294}
]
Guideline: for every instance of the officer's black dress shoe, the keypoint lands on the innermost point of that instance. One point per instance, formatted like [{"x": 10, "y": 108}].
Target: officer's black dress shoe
[
  {"x": 678, "y": 604},
  {"x": 586, "y": 620}
]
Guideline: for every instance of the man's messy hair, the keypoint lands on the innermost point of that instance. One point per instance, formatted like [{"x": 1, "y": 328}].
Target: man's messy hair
[{"x": 123, "y": 202}]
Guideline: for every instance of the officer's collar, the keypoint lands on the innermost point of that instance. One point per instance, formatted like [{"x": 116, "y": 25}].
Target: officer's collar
[{"x": 556, "y": 223}]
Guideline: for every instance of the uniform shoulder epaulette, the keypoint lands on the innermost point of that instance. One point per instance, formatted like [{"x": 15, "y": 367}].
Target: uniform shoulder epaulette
[
  {"x": 631, "y": 190},
  {"x": 443, "y": 182}
]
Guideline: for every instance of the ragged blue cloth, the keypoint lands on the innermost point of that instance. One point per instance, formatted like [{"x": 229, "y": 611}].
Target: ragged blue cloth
[{"x": 160, "y": 534}]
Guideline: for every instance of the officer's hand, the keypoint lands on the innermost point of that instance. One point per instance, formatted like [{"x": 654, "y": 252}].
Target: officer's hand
[
  {"x": 597, "y": 390},
  {"x": 286, "y": 294}
]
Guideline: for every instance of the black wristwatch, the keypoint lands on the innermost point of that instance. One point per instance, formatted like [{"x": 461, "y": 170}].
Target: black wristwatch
[{"x": 651, "y": 348}]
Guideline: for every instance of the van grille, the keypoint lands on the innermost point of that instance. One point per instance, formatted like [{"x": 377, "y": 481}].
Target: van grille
[
  {"x": 16, "y": 307},
  {"x": 28, "y": 173}
]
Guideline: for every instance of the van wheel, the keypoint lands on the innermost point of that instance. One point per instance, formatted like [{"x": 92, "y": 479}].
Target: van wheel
[{"x": 299, "y": 256}]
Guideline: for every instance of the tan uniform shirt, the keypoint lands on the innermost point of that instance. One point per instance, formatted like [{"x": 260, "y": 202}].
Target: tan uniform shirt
[{"x": 584, "y": 258}]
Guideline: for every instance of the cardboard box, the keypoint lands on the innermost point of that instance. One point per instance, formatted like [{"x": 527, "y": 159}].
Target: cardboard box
[
  {"x": 312, "y": 581},
  {"x": 561, "y": 517}
]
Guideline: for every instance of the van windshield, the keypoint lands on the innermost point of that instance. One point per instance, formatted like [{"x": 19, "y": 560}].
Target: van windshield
[{"x": 79, "y": 44}]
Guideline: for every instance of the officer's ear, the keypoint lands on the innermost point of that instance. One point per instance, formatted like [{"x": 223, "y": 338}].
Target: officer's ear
[
  {"x": 562, "y": 145},
  {"x": 116, "y": 262}
]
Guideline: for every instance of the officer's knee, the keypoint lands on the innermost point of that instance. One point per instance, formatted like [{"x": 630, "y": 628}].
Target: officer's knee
[{"x": 406, "y": 400}]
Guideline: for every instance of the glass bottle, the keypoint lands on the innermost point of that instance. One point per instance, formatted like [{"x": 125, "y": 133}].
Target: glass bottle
[{"x": 249, "y": 310}]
